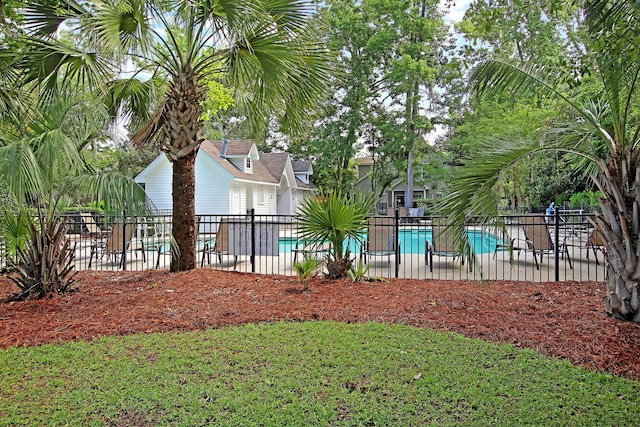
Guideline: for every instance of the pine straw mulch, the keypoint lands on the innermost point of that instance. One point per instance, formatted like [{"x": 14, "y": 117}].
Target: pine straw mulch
[{"x": 562, "y": 320}]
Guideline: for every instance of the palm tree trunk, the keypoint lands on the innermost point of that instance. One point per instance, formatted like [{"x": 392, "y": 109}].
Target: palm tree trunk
[
  {"x": 184, "y": 212},
  {"x": 622, "y": 300},
  {"x": 619, "y": 224}
]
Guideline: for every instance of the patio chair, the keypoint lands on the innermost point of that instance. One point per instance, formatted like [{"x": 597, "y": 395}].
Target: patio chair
[
  {"x": 595, "y": 242},
  {"x": 118, "y": 241},
  {"x": 311, "y": 249},
  {"x": 219, "y": 245},
  {"x": 442, "y": 244},
  {"x": 403, "y": 213},
  {"x": 381, "y": 239},
  {"x": 538, "y": 239},
  {"x": 161, "y": 239},
  {"x": 92, "y": 227}
]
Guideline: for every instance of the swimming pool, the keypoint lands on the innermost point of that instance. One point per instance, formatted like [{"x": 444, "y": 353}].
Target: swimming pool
[{"x": 412, "y": 241}]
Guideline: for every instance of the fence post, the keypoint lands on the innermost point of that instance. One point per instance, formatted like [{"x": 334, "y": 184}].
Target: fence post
[
  {"x": 124, "y": 240},
  {"x": 252, "y": 212},
  {"x": 556, "y": 241},
  {"x": 396, "y": 232}
]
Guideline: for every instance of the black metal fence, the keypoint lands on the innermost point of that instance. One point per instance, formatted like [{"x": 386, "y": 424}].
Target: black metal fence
[{"x": 532, "y": 247}]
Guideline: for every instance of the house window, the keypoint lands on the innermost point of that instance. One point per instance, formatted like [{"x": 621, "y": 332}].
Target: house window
[
  {"x": 261, "y": 196},
  {"x": 248, "y": 163}
]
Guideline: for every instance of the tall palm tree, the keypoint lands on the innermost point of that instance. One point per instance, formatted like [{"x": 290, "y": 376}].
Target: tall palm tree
[
  {"x": 263, "y": 48},
  {"x": 603, "y": 133}
]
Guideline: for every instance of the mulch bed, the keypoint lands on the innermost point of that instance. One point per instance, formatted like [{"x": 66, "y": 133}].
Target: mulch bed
[{"x": 562, "y": 320}]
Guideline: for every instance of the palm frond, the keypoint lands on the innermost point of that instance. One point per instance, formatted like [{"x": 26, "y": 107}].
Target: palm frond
[
  {"x": 19, "y": 170},
  {"x": 494, "y": 76},
  {"x": 59, "y": 66},
  {"x": 14, "y": 229},
  {"x": 131, "y": 97},
  {"x": 472, "y": 188},
  {"x": 120, "y": 27},
  {"x": 12, "y": 105},
  {"x": 118, "y": 192},
  {"x": 278, "y": 73},
  {"x": 335, "y": 217},
  {"x": 612, "y": 23},
  {"x": 44, "y": 18}
]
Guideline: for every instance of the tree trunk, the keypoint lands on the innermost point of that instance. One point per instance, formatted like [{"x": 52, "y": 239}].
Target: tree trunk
[
  {"x": 622, "y": 300},
  {"x": 619, "y": 225},
  {"x": 184, "y": 212},
  {"x": 413, "y": 99}
]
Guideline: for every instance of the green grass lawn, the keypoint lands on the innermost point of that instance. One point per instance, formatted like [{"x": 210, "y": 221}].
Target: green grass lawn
[{"x": 300, "y": 374}]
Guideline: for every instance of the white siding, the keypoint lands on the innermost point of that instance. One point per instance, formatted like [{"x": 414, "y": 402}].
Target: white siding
[
  {"x": 157, "y": 184},
  {"x": 212, "y": 187},
  {"x": 234, "y": 198},
  {"x": 262, "y": 198},
  {"x": 284, "y": 201},
  {"x": 272, "y": 199},
  {"x": 298, "y": 198}
]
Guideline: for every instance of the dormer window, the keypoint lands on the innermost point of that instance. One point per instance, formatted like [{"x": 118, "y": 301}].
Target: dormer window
[
  {"x": 248, "y": 163},
  {"x": 303, "y": 177}
]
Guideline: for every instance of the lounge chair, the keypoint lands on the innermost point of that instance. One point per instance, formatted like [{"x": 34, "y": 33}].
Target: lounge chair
[
  {"x": 92, "y": 227},
  {"x": 442, "y": 244},
  {"x": 381, "y": 239},
  {"x": 118, "y": 241},
  {"x": 161, "y": 240},
  {"x": 595, "y": 242},
  {"x": 538, "y": 239},
  {"x": 219, "y": 245},
  {"x": 311, "y": 249}
]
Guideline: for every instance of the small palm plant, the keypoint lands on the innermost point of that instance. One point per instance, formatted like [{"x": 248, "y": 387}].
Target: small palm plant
[
  {"x": 14, "y": 230},
  {"x": 46, "y": 264},
  {"x": 357, "y": 272},
  {"x": 336, "y": 218},
  {"x": 306, "y": 270}
]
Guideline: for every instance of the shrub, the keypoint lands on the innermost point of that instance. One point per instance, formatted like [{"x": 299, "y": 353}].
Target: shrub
[
  {"x": 336, "y": 218},
  {"x": 45, "y": 265},
  {"x": 306, "y": 270}
]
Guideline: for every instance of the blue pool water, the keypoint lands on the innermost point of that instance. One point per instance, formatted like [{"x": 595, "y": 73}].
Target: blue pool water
[{"x": 413, "y": 242}]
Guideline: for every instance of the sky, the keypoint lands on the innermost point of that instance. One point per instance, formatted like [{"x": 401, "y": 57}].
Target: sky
[{"x": 457, "y": 10}]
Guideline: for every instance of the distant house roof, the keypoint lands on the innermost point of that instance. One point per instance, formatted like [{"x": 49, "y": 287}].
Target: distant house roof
[
  {"x": 365, "y": 161},
  {"x": 301, "y": 166}
]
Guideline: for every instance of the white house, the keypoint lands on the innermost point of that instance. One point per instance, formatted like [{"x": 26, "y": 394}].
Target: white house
[{"x": 233, "y": 177}]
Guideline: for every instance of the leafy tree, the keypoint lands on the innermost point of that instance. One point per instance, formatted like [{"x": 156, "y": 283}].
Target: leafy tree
[
  {"x": 520, "y": 31},
  {"x": 263, "y": 49},
  {"x": 602, "y": 134},
  {"x": 393, "y": 54}
]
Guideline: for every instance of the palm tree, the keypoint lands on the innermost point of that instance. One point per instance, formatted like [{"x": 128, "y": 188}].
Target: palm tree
[
  {"x": 40, "y": 163},
  {"x": 263, "y": 48},
  {"x": 336, "y": 218},
  {"x": 604, "y": 134}
]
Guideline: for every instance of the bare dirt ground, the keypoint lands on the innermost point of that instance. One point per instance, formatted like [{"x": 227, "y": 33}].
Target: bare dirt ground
[{"x": 562, "y": 320}]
